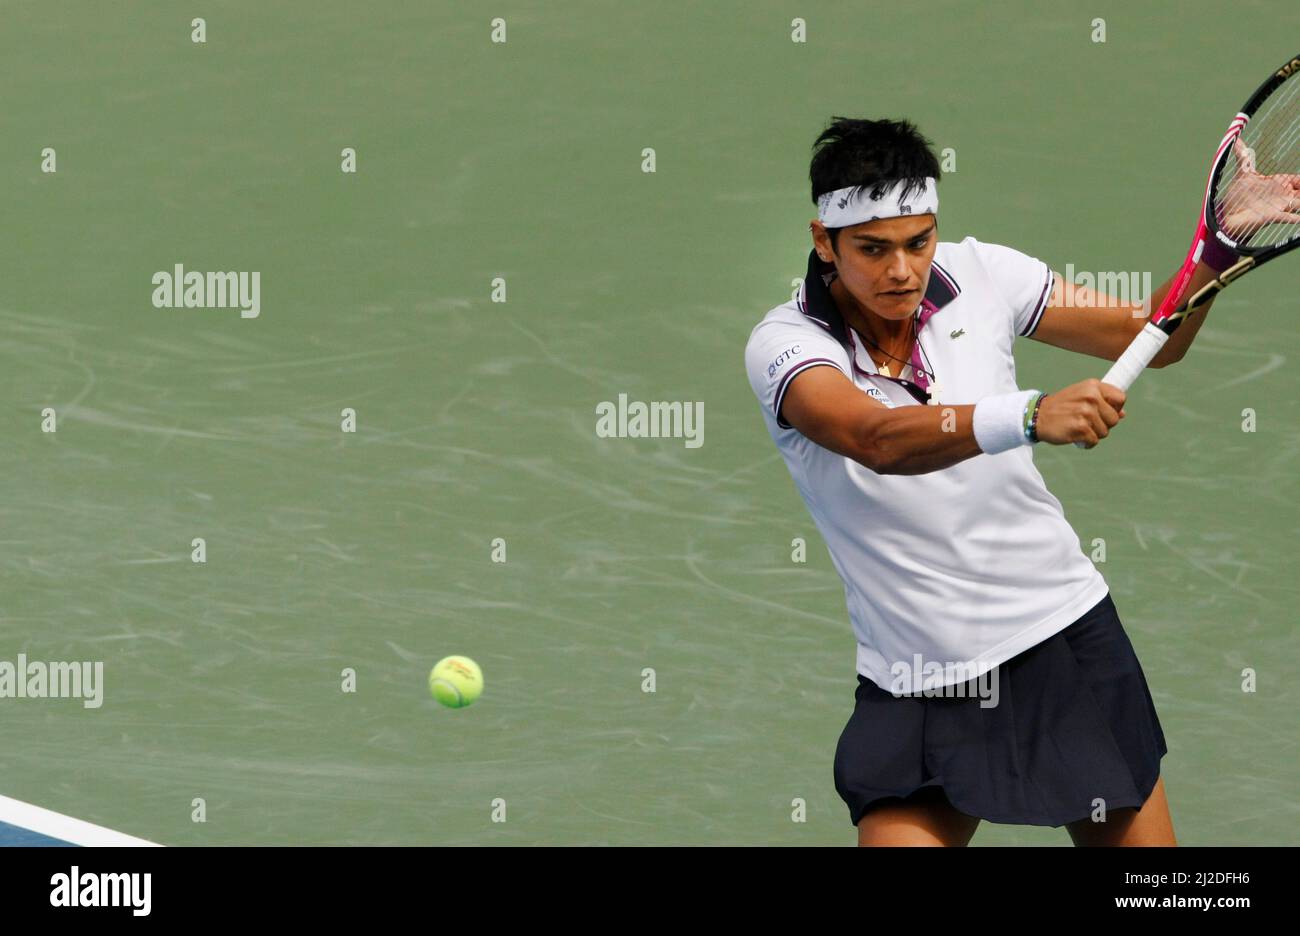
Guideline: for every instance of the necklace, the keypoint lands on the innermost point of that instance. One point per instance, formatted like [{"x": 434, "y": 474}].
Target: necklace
[{"x": 884, "y": 368}]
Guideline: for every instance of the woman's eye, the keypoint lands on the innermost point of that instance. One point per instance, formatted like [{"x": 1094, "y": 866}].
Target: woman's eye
[{"x": 877, "y": 251}]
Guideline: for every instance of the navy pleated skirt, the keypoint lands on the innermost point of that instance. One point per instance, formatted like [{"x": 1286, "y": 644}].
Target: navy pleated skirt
[{"x": 1074, "y": 724}]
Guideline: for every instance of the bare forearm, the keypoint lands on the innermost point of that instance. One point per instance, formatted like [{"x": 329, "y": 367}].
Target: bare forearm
[
  {"x": 1176, "y": 347},
  {"x": 914, "y": 440}
]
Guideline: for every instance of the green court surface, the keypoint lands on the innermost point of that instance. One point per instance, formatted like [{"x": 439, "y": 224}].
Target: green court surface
[{"x": 476, "y": 419}]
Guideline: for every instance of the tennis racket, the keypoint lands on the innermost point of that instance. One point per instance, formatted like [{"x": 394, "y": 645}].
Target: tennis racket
[{"x": 1251, "y": 204}]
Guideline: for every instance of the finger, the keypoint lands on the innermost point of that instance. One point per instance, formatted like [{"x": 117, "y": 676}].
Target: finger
[
  {"x": 1098, "y": 425},
  {"x": 1245, "y": 155},
  {"x": 1113, "y": 395}
]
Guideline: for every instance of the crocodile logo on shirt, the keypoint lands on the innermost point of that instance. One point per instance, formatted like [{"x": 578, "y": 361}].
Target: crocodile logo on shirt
[{"x": 958, "y": 333}]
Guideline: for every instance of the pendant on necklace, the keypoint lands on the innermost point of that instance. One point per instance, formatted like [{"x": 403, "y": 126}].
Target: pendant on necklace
[{"x": 884, "y": 370}]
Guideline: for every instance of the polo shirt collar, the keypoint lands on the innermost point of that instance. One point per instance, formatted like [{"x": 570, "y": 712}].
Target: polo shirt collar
[{"x": 817, "y": 303}]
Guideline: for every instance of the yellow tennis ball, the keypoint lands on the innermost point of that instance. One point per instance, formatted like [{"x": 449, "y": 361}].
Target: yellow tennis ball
[{"x": 456, "y": 681}]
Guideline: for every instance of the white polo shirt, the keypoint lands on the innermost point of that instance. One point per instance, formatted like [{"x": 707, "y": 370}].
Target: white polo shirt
[{"x": 967, "y": 566}]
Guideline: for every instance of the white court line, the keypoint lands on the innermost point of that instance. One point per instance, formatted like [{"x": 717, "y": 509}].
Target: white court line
[{"x": 61, "y": 827}]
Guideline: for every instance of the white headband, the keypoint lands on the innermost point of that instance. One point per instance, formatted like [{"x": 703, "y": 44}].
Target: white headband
[{"x": 841, "y": 208}]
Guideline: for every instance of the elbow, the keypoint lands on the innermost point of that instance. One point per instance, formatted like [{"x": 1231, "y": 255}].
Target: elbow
[
  {"x": 876, "y": 465},
  {"x": 879, "y": 454},
  {"x": 884, "y": 463}
]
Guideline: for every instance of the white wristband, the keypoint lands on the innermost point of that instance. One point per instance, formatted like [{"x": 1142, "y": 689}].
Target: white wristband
[{"x": 999, "y": 422}]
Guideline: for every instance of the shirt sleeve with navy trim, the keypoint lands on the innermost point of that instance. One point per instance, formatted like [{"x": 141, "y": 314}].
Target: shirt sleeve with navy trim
[
  {"x": 1025, "y": 282},
  {"x": 778, "y": 351}
]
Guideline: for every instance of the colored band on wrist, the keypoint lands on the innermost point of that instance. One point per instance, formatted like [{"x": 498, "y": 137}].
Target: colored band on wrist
[{"x": 1031, "y": 418}]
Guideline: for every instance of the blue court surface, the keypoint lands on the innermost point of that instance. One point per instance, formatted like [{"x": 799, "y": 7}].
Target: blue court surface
[{"x": 25, "y": 825}]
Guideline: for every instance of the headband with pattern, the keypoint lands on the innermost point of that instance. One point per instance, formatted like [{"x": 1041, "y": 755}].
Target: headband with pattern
[{"x": 842, "y": 208}]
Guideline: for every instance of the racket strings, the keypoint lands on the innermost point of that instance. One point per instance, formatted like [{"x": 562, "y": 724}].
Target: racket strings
[
  {"x": 1273, "y": 133},
  {"x": 1257, "y": 195}
]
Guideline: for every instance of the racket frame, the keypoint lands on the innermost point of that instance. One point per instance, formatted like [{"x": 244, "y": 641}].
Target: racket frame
[{"x": 1173, "y": 308}]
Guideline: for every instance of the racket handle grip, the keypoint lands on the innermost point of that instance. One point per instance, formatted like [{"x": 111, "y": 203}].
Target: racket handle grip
[{"x": 1134, "y": 360}]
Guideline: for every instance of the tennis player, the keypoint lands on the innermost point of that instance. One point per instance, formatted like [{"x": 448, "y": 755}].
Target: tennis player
[{"x": 889, "y": 387}]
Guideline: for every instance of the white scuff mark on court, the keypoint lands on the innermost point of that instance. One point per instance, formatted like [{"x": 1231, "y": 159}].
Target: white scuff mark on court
[
  {"x": 623, "y": 819},
  {"x": 1137, "y": 530},
  {"x": 100, "y": 418},
  {"x": 42, "y": 325},
  {"x": 450, "y": 403},
  {"x": 312, "y": 362},
  {"x": 624, "y": 499},
  {"x": 1205, "y": 567},
  {"x": 1274, "y": 362},
  {"x": 1181, "y": 409},
  {"x": 172, "y": 640},
  {"x": 1143, "y": 475},
  {"x": 335, "y": 550},
  {"x": 404, "y": 654},
  {"x": 445, "y": 304},
  {"x": 87, "y": 387},
  {"x": 640, "y": 740},
  {"x": 597, "y": 376},
  {"x": 743, "y": 469},
  {"x": 671, "y": 466},
  {"x": 746, "y": 198},
  {"x": 501, "y": 367},
  {"x": 756, "y": 602}
]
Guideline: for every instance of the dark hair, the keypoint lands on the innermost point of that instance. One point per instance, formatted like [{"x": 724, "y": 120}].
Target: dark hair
[{"x": 860, "y": 153}]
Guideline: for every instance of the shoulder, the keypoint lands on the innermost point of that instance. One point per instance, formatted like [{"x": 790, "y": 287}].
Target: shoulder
[
  {"x": 992, "y": 267},
  {"x": 999, "y": 264},
  {"x": 979, "y": 259},
  {"x": 785, "y": 343},
  {"x": 785, "y": 324},
  {"x": 787, "y": 315},
  {"x": 1010, "y": 279}
]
